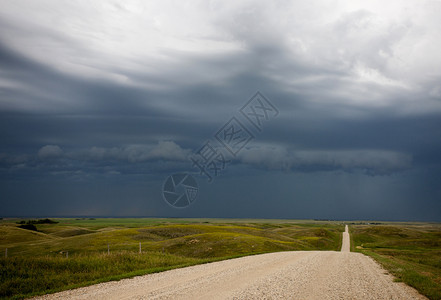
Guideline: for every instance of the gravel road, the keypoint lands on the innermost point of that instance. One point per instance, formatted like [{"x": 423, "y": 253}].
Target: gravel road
[
  {"x": 282, "y": 275},
  {"x": 346, "y": 244}
]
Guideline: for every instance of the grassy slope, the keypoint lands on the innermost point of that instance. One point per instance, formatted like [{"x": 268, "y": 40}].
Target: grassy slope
[
  {"x": 37, "y": 261},
  {"x": 411, "y": 252}
]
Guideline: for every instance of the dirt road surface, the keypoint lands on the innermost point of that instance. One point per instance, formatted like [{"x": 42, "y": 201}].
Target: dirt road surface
[
  {"x": 282, "y": 275},
  {"x": 346, "y": 244}
]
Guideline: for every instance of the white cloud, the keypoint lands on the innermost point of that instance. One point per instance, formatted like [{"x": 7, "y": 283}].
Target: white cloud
[
  {"x": 165, "y": 150},
  {"x": 169, "y": 150},
  {"x": 50, "y": 151}
]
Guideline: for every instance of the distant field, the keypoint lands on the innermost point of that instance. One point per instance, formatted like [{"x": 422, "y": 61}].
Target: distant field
[
  {"x": 77, "y": 252},
  {"x": 411, "y": 252}
]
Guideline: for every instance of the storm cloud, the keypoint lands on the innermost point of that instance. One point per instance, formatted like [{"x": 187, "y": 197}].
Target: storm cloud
[{"x": 100, "y": 102}]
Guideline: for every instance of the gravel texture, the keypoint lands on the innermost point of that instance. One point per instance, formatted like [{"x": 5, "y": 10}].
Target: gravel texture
[
  {"x": 345, "y": 245},
  {"x": 282, "y": 275}
]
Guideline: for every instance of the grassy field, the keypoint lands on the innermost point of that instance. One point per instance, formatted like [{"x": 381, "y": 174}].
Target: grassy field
[
  {"x": 78, "y": 252},
  {"x": 411, "y": 252}
]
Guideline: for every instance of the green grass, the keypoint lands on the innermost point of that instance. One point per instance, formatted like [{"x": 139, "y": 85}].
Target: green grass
[
  {"x": 411, "y": 252},
  {"x": 37, "y": 263},
  {"x": 25, "y": 276}
]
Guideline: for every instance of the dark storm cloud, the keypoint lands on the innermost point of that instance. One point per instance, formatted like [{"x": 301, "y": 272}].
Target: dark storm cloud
[{"x": 99, "y": 109}]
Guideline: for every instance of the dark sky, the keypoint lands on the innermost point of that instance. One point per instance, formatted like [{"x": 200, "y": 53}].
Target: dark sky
[{"x": 101, "y": 102}]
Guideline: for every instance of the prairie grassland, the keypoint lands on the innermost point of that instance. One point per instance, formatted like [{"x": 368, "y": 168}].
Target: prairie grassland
[
  {"x": 411, "y": 252},
  {"x": 78, "y": 252}
]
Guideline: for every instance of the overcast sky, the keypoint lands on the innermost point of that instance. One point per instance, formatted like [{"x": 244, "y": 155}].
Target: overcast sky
[{"x": 101, "y": 101}]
